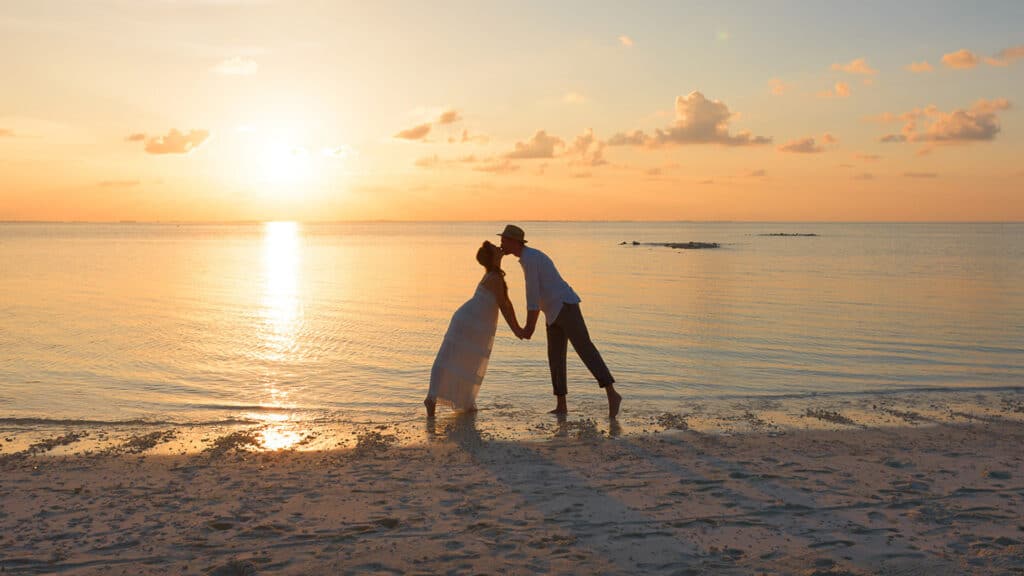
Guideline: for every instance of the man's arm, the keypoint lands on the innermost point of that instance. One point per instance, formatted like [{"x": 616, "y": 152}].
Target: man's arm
[
  {"x": 531, "y": 323},
  {"x": 532, "y": 277}
]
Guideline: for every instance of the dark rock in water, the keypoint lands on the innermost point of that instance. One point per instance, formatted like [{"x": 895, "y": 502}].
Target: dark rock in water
[
  {"x": 692, "y": 245},
  {"x": 788, "y": 234},
  {"x": 676, "y": 245}
]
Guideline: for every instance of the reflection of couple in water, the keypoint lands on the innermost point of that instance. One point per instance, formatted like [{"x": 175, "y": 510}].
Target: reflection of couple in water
[{"x": 462, "y": 360}]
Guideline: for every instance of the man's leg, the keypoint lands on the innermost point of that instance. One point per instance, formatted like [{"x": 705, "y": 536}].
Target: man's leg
[
  {"x": 575, "y": 328},
  {"x": 558, "y": 346}
]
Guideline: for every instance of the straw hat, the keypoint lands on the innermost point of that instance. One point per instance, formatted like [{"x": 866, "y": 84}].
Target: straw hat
[{"x": 514, "y": 232}]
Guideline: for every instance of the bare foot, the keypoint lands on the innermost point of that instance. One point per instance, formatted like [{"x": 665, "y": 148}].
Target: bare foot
[
  {"x": 560, "y": 405},
  {"x": 431, "y": 404},
  {"x": 614, "y": 401}
]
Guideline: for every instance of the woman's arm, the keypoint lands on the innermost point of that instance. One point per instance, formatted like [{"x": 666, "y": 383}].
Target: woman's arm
[{"x": 496, "y": 284}]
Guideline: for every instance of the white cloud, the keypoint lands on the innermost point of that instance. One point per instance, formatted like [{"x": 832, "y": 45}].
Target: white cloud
[
  {"x": 339, "y": 152},
  {"x": 589, "y": 149},
  {"x": 977, "y": 123},
  {"x": 237, "y": 66},
  {"x": 698, "y": 121}
]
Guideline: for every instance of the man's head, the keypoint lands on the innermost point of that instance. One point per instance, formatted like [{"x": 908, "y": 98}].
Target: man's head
[{"x": 512, "y": 240}]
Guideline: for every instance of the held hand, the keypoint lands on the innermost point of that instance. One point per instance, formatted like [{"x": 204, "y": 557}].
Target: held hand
[
  {"x": 518, "y": 332},
  {"x": 528, "y": 332}
]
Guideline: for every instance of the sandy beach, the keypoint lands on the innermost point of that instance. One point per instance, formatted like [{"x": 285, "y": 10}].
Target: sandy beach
[{"x": 758, "y": 488}]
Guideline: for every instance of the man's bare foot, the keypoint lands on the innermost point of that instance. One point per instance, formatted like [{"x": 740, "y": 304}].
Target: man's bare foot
[
  {"x": 614, "y": 401},
  {"x": 560, "y": 407},
  {"x": 431, "y": 404}
]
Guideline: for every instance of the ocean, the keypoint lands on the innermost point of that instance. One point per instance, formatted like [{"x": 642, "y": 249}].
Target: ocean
[{"x": 199, "y": 323}]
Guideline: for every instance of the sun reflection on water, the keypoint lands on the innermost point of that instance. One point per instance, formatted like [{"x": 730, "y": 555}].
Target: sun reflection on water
[
  {"x": 279, "y": 432},
  {"x": 281, "y": 307},
  {"x": 282, "y": 315}
]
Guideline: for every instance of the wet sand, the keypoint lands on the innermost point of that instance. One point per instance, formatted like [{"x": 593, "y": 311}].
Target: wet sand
[{"x": 893, "y": 484}]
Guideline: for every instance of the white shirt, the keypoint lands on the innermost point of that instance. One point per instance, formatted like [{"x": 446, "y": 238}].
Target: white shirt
[{"x": 545, "y": 288}]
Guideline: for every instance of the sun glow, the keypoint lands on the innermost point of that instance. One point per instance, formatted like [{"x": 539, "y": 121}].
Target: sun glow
[{"x": 283, "y": 163}]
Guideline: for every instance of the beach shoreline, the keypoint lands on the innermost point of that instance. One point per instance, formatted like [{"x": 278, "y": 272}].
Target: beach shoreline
[{"x": 829, "y": 492}]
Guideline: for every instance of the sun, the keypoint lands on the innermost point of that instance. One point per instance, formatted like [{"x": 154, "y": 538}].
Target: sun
[{"x": 282, "y": 163}]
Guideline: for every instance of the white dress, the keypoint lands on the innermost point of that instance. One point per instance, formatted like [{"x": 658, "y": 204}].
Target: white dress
[{"x": 462, "y": 360}]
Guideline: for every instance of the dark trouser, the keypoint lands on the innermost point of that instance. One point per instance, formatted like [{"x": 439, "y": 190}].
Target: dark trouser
[{"x": 570, "y": 327}]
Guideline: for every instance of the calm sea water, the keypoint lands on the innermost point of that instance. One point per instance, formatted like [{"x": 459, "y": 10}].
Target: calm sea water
[{"x": 199, "y": 323}]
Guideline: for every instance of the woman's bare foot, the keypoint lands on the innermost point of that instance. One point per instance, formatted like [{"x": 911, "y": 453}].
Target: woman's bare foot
[
  {"x": 431, "y": 404},
  {"x": 614, "y": 401}
]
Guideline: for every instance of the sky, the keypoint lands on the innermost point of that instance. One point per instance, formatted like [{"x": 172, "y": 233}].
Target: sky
[{"x": 256, "y": 110}]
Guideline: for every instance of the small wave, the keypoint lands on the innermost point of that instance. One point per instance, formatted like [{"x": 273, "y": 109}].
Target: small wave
[
  {"x": 860, "y": 393},
  {"x": 131, "y": 422},
  {"x": 246, "y": 408}
]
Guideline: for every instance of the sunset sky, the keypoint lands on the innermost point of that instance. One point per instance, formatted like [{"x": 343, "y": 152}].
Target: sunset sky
[{"x": 224, "y": 110}]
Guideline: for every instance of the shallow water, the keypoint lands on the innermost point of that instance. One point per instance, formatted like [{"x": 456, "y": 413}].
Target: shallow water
[{"x": 340, "y": 322}]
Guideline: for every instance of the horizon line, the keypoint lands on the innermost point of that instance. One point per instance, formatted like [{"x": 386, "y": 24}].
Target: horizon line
[{"x": 559, "y": 221}]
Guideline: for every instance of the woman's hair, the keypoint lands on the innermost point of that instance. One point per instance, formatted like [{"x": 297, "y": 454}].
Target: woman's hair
[{"x": 485, "y": 256}]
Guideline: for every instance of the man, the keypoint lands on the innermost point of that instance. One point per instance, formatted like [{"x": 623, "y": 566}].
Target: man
[{"x": 547, "y": 291}]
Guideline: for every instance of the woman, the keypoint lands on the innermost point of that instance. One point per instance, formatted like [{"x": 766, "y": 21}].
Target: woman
[{"x": 462, "y": 360}]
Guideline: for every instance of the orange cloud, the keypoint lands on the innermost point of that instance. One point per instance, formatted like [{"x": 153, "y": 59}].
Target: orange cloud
[
  {"x": 449, "y": 117},
  {"x": 1005, "y": 57},
  {"x": 6, "y": 133},
  {"x": 466, "y": 137},
  {"x": 960, "y": 60},
  {"x": 574, "y": 98},
  {"x": 698, "y": 121},
  {"x": 867, "y": 157},
  {"x": 415, "y": 133},
  {"x": 978, "y": 123},
  {"x": 540, "y": 146},
  {"x": 589, "y": 149},
  {"x": 918, "y": 67},
  {"x": 428, "y": 161},
  {"x": 920, "y": 175},
  {"x": 497, "y": 167},
  {"x": 174, "y": 142},
  {"x": 118, "y": 183},
  {"x": 777, "y": 87},
  {"x": 801, "y": 146},
  {"x": 626, "y": 41},
  {"x": 841, "y": 90},
  {"x": 237, "y": 67},
  {"x": 858, "y": 66}
]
